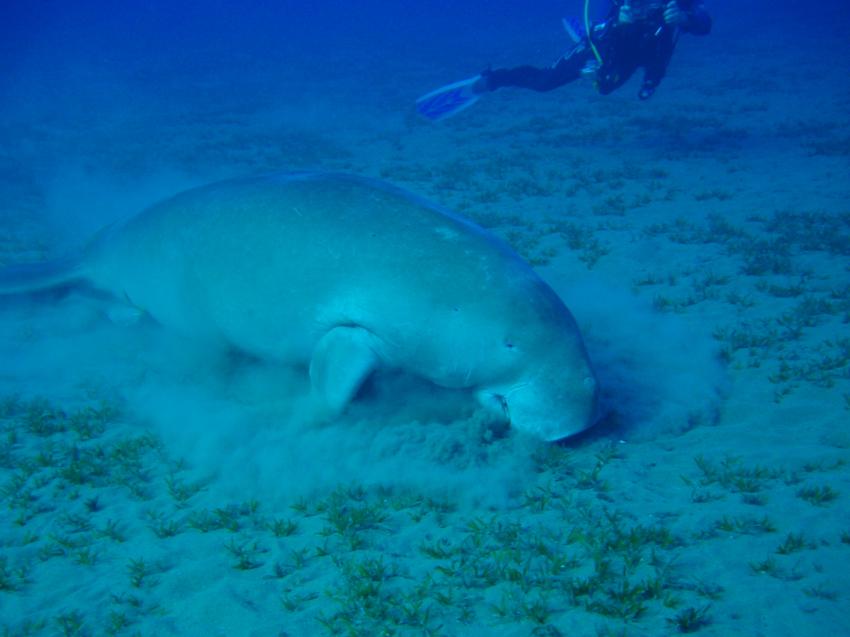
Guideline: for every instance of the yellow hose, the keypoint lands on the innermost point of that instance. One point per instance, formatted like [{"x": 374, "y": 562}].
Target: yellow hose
[{"x": 587, "y": 30}]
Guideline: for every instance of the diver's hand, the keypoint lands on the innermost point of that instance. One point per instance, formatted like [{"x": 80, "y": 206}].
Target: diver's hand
[
  {"x": 625, "y": 16},
  {"x": 673, "y": 14}
]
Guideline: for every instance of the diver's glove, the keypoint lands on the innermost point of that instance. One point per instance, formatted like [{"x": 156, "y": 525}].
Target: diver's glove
[
  {"x": 674, "y": 15},
  {"x": 625, "y": 16}
]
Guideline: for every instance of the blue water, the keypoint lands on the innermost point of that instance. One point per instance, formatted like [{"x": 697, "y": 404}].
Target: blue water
[{"x": 151, "y": 485}]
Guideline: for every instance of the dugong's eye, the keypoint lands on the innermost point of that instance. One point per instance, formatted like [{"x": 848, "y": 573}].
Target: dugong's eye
[{"x": 509, "y": 344}]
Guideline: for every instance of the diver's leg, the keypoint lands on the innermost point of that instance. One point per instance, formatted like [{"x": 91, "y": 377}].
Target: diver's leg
[
  {"x": 612, "y": 76},
  {"x": 657, "y": 60},
  {"x": 619, "y": 59},
  {"x": 567, "y": 69}
]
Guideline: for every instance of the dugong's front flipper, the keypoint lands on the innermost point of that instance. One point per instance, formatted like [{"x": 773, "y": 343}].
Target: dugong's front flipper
[{"x": 342, "y": 360}]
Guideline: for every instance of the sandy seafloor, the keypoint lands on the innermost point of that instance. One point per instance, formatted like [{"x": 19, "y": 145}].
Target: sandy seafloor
[{"x": 701, "y": 240}]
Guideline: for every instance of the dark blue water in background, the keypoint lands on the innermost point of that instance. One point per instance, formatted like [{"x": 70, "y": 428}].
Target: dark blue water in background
[{"x": 62, "y": 52}]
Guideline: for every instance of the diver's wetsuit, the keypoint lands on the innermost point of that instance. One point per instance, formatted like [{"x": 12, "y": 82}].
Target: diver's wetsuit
[{"x": 647, "y": 42}]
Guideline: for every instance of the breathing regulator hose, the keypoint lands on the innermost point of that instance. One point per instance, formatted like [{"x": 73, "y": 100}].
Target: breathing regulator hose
[{"x": 587, "y": 30}]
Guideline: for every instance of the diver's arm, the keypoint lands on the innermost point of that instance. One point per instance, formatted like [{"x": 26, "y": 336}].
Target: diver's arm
[
  {"x": 623, "y": 12},
  {"x": 695, "y": 19}
]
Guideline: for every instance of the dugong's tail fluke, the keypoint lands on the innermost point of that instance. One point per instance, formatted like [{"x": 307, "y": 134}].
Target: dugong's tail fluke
[{"x": 32, "y": 277}]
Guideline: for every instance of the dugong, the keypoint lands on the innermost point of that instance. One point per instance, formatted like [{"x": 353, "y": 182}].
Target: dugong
[{"x": 343, "y": 274}]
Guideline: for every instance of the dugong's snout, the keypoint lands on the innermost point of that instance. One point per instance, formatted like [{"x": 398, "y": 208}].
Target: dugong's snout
[{"x": 551, "y": 404}]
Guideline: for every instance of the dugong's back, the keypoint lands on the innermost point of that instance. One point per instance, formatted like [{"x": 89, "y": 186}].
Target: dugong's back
[{"x": 298, "y": 252}]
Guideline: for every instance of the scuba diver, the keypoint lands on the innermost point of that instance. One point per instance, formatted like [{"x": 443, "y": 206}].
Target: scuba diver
[{"x": 635, "y": 33}]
